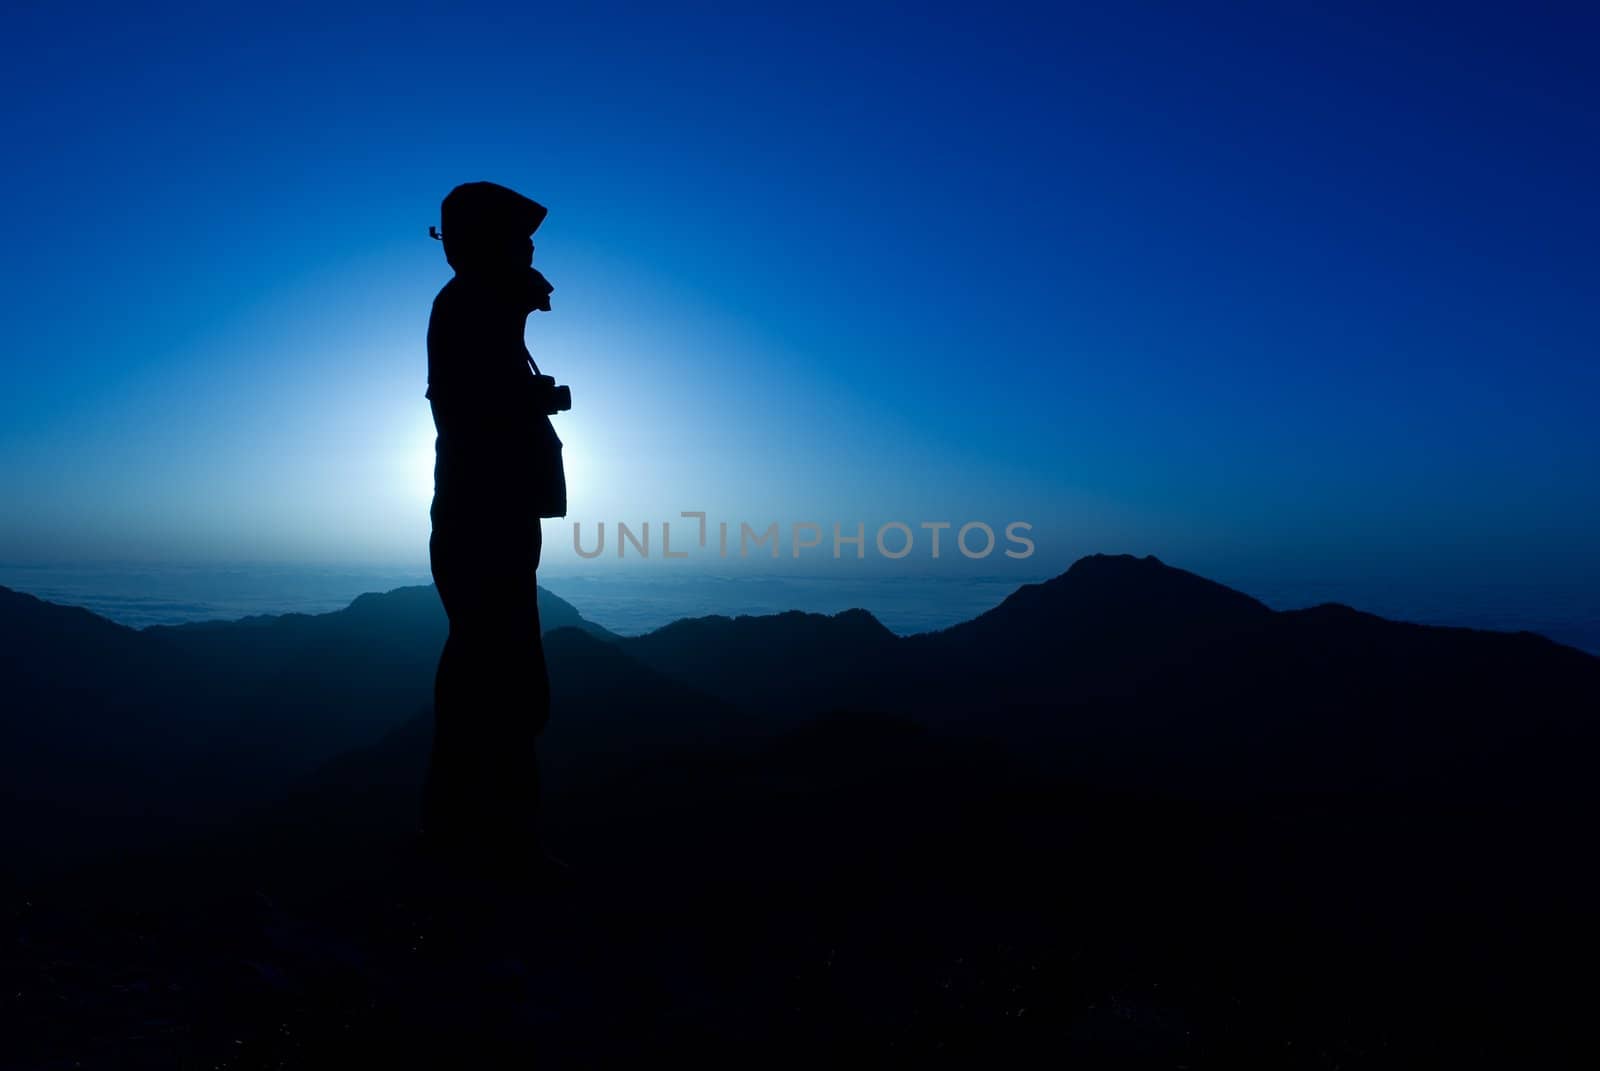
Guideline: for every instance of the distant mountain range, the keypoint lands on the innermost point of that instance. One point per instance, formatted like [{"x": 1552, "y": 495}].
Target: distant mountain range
[{"x": 1122, "y": 671}]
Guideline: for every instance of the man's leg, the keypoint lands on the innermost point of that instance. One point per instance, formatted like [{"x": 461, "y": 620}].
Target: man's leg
[
  {"x": 522, "y": 705},
  {"x": 455, "y": 798},
  {"x": 491, "y": 699}
]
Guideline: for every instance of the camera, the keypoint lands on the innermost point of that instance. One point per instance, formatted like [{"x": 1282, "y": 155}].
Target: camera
[{"x": 550, "y": 398}]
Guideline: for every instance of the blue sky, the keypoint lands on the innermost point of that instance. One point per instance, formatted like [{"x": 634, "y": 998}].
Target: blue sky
[{"x": 1261, "y": 287}]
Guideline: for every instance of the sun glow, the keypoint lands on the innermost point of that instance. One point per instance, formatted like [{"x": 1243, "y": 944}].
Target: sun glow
[{"x": 417, "y": 470}]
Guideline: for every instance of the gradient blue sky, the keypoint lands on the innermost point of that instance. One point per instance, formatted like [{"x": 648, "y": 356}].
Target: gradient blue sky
[{"x": 1237, "y": 286}]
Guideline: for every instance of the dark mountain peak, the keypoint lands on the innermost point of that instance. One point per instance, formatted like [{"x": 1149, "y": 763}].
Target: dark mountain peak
[
  {"x": 785, "y": 662},
  {"x": 1334, "y": 622},
  {"x": 855, "y": 624},
  {"x": 27, "y": 621},
  {"x": 1114, "y": 562},
  {"x": 577, "y": 640},
  {"x": 862, "y": 619},
  {"x": 1106, "y": 588},
  {"x": 415, "y": 596},
  {"x": 1336, "y": 611},
  {"x": 413, "y": 607},
  {"x": 1143, "y": 577},
  {"x": 409, "y": 603}
]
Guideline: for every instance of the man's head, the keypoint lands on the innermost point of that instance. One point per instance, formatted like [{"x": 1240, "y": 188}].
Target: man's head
[{"x": 488, "y": 228}]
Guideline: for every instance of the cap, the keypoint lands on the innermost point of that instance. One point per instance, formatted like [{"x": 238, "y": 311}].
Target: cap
[{"x": 475, "y": 211}]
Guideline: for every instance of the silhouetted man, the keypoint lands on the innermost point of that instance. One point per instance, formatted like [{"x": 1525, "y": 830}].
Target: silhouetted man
[{"x": 497, "y": 471}]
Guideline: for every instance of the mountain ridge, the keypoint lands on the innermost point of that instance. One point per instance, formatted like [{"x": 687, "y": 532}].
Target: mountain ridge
[{"x": 1120, "y": 671}]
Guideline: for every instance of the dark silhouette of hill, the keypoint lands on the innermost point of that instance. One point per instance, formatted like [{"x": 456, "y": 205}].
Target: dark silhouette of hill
[
  {"x": 782, "y": 664},
  {"x": 619, "y": 716},
  {"x": 1123, "y": 671},
  {"x": 1127, "y": 818},
  {"x": 80, "y": 693},
  {"x": 1140, "y": 674},
  {"x": 110, "y": 730},
  {"x": 346, "y": 674},
  {"x": 397, "y": 613},
  {"x": 1098, "y": 628},
  {"x": 1131, "y": 673},
  {"x": 1107, "y": 619}
]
